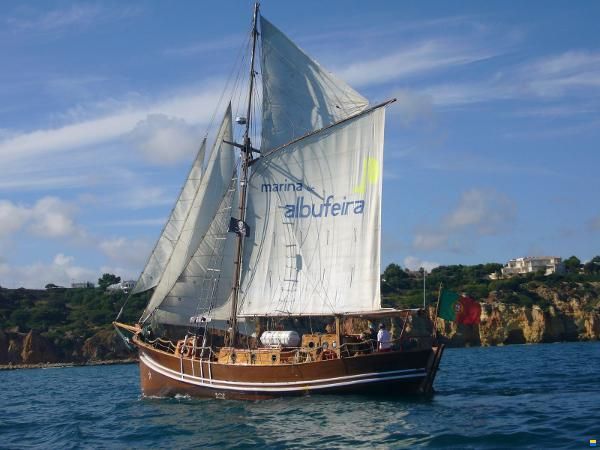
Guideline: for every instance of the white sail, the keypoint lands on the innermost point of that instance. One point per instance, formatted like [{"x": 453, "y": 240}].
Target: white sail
[
  {"x": 172, "y": 229},
  {"x": 314, "y": 211},
  {"x": 204, "y": 286},
  {"x": 299, "y": 96},
  {"x": 209, "y": 195}
]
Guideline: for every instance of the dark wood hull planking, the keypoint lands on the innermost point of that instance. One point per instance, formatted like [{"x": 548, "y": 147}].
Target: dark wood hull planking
[{"x": 164, "y": 374}]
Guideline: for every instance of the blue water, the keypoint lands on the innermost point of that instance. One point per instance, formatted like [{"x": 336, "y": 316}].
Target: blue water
[{"x": 526, "y": 396}]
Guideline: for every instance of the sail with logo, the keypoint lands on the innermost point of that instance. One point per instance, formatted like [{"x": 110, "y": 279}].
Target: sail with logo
[
  {"x": 314, "y": 203},
  {"x": 304, "y": 242}
]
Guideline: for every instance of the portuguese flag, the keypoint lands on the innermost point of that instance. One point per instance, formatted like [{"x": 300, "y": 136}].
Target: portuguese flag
[{"x": 459, "y": 308}]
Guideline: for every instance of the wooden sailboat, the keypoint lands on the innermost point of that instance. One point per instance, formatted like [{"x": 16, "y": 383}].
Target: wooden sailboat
[{"x": 236, "y": 292}]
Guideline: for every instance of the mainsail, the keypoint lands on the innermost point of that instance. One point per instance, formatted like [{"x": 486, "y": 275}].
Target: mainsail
[
  {"x": 314, "y": 211},
  {"x": 170, "y": 233},
  {"x": 209, "y": 195},
  {"x": 299, "y": 96}
]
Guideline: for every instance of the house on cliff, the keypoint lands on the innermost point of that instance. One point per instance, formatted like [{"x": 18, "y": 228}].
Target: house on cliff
[{"x": 529, "y": 264}]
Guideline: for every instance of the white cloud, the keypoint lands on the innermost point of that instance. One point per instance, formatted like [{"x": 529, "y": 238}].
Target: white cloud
[
  {"x": 125, "y": 251},
  {"x": 424, "y": 57},
  {"x": 194, "y": 107},
  {"x": 136, "y": 222},
  {"x": 49, "y": 217},
  {"x": 12, "y": 217},
  {"x": 556, "y": 76},
  {"x": 77, "y": 15},
  {"x": 61, "y": 271},
  {"x": 196, "y": 48},
  {"x": 414, "y": 263},
  {"x": 553, "y": 75},
  {"x": 165, "y": 140},
  {"x": 486, "y": 211},
  {"x": 594, "y": 223},
  {"x": 480, "y": 212},
  {"x": 144, "y": 197},
  {"x": 52, "y": 217},
  {"x": 430, "y": 240},
  {"x": 411, "y": 106}
]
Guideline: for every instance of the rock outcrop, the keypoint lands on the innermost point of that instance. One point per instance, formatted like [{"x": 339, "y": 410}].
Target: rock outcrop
[
  {"x": 37, "y": 349},
  {"x": 569, "y": 314},
  {"x": 105, "y": 344},
  {"x": 26, "y": 349}
]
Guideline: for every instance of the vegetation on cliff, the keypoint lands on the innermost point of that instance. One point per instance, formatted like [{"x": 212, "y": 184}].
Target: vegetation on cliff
[
  {"x": 404, "y": 289},
  {"x": 71, "y": 325},
  {"x": 74, "y": 325}
]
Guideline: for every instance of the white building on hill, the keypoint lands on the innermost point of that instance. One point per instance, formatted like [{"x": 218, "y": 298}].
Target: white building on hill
[
  {"x": 528, "y": 264},
  {"x": 124, "y": 286}
]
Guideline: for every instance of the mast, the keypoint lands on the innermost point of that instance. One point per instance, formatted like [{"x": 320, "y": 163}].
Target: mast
[{"x": 246, "y": 160}]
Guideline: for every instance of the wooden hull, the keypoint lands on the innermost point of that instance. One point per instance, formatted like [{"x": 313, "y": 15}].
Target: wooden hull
[{"x": 164, "y": 374}]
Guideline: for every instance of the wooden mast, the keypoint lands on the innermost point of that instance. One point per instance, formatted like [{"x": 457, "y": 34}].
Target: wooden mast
[{"x": 246, "y": 159}]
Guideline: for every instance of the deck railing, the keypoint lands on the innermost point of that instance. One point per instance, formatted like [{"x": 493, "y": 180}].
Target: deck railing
[{"x": 304, "y": 354}]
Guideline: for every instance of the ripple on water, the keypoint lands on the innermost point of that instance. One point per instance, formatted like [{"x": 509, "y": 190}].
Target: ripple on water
[{"x": 545, "y": 396}]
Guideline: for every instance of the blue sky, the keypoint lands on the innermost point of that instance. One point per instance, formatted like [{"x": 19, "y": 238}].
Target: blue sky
[{"x": 491, "y": 149}]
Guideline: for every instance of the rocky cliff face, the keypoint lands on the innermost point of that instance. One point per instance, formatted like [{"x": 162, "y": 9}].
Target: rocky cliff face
[
  {"x": 37, "y": 349},
  {"x": 105, "y": 344},
  {"x": 568, "y": 315},
  {"x": 32, "y": 348}
]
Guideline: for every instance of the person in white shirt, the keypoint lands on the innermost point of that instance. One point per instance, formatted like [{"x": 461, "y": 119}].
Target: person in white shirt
[{"x": 383, "y": 339}]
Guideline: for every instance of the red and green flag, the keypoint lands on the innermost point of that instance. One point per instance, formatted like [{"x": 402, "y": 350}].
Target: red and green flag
[{"x": 459, "y": 308}]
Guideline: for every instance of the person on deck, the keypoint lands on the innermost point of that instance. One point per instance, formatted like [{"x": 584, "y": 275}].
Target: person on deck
[
  {"x": 373, "y": 337},
  {"x": 372, "y": 333},
  {"x": 383, "y": 339}
]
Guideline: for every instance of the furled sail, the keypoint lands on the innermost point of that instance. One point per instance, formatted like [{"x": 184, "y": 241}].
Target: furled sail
[
  {"x": 314, "y": 211},
  {"x": 299, "y": 96},
  {"x": 204, "y": 286},
  {"x": 215, "y": 182},
  {"x": 170, "y": 233}
]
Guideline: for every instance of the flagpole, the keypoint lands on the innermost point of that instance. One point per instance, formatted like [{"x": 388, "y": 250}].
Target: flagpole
[{"x": 437, "y": 307}]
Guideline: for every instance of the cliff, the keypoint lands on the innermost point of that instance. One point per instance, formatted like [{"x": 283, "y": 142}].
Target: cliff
[
  {"x": 39, "y": 327},
  {"x": 33, "y": 348},
  {"x": 569, "y": 312}
]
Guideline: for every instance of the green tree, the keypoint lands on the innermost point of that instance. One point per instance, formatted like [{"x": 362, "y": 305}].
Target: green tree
[
  {"x": 108, "y": 279},
  {"x": 572, "y": 264},
  {"x": 593, "y": 266},
  {"x": 393, "y": 278}
]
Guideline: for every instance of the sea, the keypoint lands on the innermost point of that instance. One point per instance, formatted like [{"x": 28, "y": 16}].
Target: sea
[{"x": 519, "y": 396}]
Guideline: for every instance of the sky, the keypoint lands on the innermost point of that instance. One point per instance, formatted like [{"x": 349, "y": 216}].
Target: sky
[{"x": 491, "y": 150}]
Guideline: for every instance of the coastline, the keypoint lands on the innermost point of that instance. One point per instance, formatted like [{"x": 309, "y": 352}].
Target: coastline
[{"x": 68, "y": 364}]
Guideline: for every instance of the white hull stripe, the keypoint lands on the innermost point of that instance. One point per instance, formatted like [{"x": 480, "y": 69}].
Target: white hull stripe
[{"x": 283, "y": 386}]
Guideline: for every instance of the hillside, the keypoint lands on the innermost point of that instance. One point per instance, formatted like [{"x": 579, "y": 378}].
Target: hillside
[
  {"x": 532, "y": 308},
  {"x": 62, "y": 325},
  {"x": 74, "y": 325}
]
